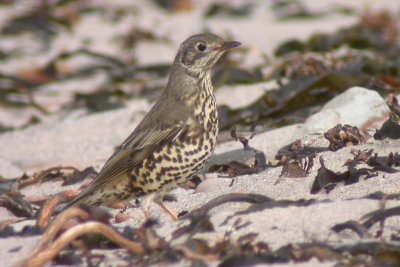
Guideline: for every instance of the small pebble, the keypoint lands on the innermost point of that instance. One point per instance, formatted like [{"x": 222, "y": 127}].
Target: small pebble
[{"x": 121, "y": 217}]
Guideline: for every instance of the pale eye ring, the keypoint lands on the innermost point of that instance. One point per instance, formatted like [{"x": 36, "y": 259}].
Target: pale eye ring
[{"x": 201, "y": 47}]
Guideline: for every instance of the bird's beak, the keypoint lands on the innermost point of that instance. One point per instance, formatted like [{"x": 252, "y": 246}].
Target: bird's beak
[{"x": 227, "y": 45}]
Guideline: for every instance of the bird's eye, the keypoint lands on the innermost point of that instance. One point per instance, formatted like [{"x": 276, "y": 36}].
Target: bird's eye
[{"x": 201, "y": 47}]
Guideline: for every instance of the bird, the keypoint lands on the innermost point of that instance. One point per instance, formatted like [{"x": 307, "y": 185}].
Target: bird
[{"x": 174, "y": 140}]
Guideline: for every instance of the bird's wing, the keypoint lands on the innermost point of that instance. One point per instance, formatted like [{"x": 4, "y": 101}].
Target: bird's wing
[{"x": 148, "y": 136}]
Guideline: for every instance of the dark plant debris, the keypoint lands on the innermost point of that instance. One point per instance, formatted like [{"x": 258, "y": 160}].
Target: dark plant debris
[
  {"x": 391, "y": 127},
  {"x": 327, "y": 179},
  {"x": 270, "y": 204},
  {"x": 297, "y": 160},
  {"x": 15, "y": 202},
  {"x": 61, "y": 172},
  {"x": 175, "y": 5},
  {"x": 90, "y": 227},
  {"x": 375, "y": 31},
  {"x": 295, "y": 10},
  {"x": 235, "y": 168},
  {"x": 259, "y": 156},
  {"x": 313, "y": 72},
  {"x": 305, "y": 81},
  {"x": 50, "y": 205},
  {"x": 8, "y": 185},
  {"x": 135, "y": 35},
  {"x": 227, "y": 9},
  {"x": 78, "y": 176},
  {"x": 344, "y": 135},
  {"x": 43, "y": 21},
  {"x": 28, "y": 230},
  {"x": 382, "y": 196},
  {"x": 368, "y": 220},
  {"x": 241, "y": 139},
  {"x": 355, "y": 226}
]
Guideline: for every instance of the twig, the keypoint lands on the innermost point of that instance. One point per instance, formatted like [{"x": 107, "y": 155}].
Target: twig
[
  {"x": 233, "y": 197},
  {"x": 38, "y": 177},
  {"x": 50, "y": 205},
  {"x": 46, "y": 250},
  {"x": 86, "y": 228}
]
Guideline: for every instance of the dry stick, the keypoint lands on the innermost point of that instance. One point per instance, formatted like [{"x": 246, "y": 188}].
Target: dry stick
[
  {"x": 168, "y": 211},
  {"x": 231, "y": 197},
  {"x": 55, "y": 227},
  {"x": 89, "y": 227},
  {"x": 46, "y": 211},
  {"x": 38, "y": 177},
  {"x": 376, "y": 216},
  {"x": 45, "y": 252},
  {"x": 357, "y": 227},
  {"x": 50, "y": 204}
]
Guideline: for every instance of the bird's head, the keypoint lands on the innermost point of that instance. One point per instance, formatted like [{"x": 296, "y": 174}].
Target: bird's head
[{"x": 199, "y": 53}]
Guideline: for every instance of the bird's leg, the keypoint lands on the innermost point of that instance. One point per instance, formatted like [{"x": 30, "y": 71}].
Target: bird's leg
[
  {"x": 145, "y": 205},
  {"x": 167, "y": 210},
  {"x": 158, "y": 199}
]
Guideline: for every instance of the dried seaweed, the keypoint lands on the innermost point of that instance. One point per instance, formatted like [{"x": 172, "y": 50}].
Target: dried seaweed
[
  {"x": 378, "y": 163},
  {"x": 50, "y": 245},
  {"x": 296, "y": 97},
  {"x": 344, "y": 135},
  {"x": 295, "y": 10},
  {"x": 232, "y": 197},
  {"x": 101, "y": 100},
  {"x": 50, "y": 205},
  {"x": 391, "y": 127},
  {"x": 15, "y": 203},
  {"x": 308, "y": 80},
  {"x": 135, "y": 35},
  {"x": 227, "y": 9},
  {"x": 45, "y": 19},
  {"x": 270, "y": 204},
  {"x": 371, "y": 253},
  {"x": 297, "y": 160},
  {"x": 8, "y": 185},
  {"x": 361, "y": 228},
  {"x": 327, "y": 179},
  {"x": 305, "y": 83},
  {"x": 380, "y": 195},
  {"x": 78, "y": 176},
  {"x": 375, "y": 31},
  {"x": 296, "y": 168},
  {"x": 40, "y": 21},
  {"x": 235, "y": 168},
  {"x": 379, "y": 216},
  {"x": 384, "y": 163},
  {"x": 56, "y": 172},
  {"x": 28, "y": 230},
  {"x": 355, "y": 226},
  {"x": 146, "y": 247},
  {"x": 175, "y": 5}
]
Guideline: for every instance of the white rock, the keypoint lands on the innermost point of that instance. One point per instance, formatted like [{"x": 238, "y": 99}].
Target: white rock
[{"x": 357, "y": 106}]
